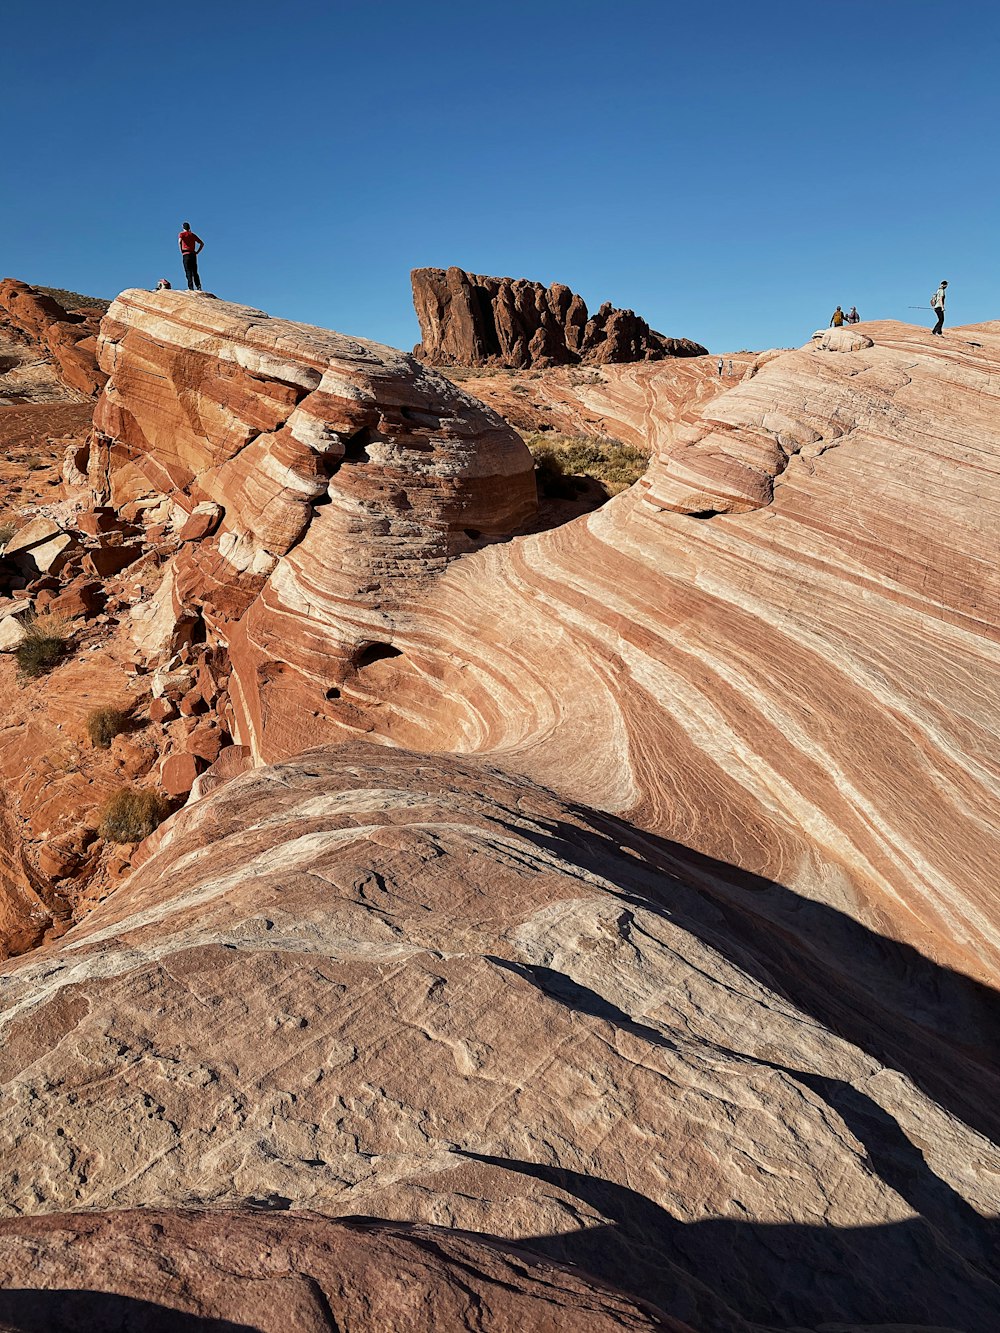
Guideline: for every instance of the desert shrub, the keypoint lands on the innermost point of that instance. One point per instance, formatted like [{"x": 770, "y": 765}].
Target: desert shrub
[
  {"x": 45, "y": 643},
  {"x": 7, "y": 530},
  {"x": 561, "y": 458},
  {"x": 550, "y": 474},
  {"x": 577, "y": 377},
  {"x": 131, "y": 814},
  {"x": 104, "y": 724},
  {"x": 35, "y": 463}
]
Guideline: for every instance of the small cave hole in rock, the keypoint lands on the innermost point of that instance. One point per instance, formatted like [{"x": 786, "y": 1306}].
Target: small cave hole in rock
[
  {"x": 197, "y": 631},
  {"x": 356, "y": 446},
  {"x": 702, "y": 513},
  {"x": 333, "y": 692},
  {"x": 374, "y": 652},
  {"x": 473, "y": 534}
]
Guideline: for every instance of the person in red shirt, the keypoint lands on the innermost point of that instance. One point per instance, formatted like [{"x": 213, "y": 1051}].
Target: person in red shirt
[{"x": 191, "y": 247}]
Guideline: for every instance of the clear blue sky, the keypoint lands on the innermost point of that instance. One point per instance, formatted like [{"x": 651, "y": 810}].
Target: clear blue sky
[{"x": 730, "y": 171}]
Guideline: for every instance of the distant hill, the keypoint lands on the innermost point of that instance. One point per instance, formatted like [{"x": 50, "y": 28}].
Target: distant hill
[{"x": 74, "y": 300}]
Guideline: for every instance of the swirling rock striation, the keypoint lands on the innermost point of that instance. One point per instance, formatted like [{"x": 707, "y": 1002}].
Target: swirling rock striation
[
  {"x": 804, "y": 684},
  {"x": 468, "y": 319},
  {"x": 337, "y": 471}
]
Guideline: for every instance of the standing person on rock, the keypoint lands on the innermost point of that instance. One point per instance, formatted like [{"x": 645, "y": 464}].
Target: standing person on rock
[
  {"x": 191, "y": 247},
  {"x": 837, "y": 318},
  {"x": 852, "y": 315},
  {"x": 720, "y": 367},
  {"x": 937, "y": 305}
]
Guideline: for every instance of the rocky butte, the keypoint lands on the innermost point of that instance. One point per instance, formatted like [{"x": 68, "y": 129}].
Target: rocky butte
[
  {"x": 467, "y": 319},
  {"x": 615, "y": 893}
]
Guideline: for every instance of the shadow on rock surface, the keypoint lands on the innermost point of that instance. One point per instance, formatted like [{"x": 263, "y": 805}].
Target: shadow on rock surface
[
  {"x": 930, "y": 1023},
  {"x": 899, "y": 1275},
  {"x": 99, "y": 1312}
]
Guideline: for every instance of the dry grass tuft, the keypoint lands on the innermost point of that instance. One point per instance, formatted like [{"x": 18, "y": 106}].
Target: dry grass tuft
[
  {"x": 560, "y": 460},
  {"x": 46, "y": 642},
  {"x": 104, "y": 724},
  {"x": 131, "y": 814}
]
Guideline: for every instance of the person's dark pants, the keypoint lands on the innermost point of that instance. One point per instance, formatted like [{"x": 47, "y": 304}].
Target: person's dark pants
[
  {"x": 191, "y": 271},
  {"x": 939, "y": 311}
]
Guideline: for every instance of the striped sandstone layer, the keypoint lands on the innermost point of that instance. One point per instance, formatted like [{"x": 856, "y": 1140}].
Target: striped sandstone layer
[{"x": 805, "y": 685}]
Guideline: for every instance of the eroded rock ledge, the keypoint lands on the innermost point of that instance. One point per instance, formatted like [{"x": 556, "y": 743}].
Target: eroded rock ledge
[
  {"x": 167, "y": 1271},
  {"x": 68, "y": 338}
]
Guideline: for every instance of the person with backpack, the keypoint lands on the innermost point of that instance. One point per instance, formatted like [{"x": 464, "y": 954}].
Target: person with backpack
[
  {"x": 837, "y": 318},
  {"x": 852, "y": 315},
  {"x": 191, "y": 247},
  {"x": 937, "y": 305}
]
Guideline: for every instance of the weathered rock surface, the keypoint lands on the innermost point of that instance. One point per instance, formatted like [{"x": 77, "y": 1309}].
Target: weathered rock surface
[
  {"x": 154, "y": 1272},
  {"x": 367, "y": 982},
  {"x": 467, "y": 319},
  {"x": 37, "y": 322}
]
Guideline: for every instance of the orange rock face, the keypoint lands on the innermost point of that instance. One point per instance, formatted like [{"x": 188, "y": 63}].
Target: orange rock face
[
  {"x": 69, "y": 338},
  {"x": 716, "y": 1023},
  {"x": 802, "y": 657}
]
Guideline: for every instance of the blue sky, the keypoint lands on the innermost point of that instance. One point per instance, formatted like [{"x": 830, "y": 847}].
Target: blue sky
[{"x": 730, "y": 171}]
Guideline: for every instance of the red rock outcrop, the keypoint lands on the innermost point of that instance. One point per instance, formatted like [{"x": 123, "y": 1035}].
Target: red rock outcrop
[
  {"x": 467, "y": 319},
  {"x": 68, "y": 337},
  {"x": 167, "y": 1272},
  {"x": 405, "y": 986}
]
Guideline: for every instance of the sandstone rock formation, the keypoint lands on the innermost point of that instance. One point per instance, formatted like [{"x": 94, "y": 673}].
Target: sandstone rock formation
[
  {"x": 729, "y": 1044},
  {"x": 786, "y": 688},
  {"x": 467, "y": 319},
  {"x": 180, "y": 1272},
  {"x": 404, "y": 986},
  {"x": 33, "y": 322},
  {"x": 331, "y": 467}
]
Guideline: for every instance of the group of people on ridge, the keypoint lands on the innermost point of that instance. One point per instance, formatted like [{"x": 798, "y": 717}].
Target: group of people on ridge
[
  {"x": 191, "y": 246},
  {"x": 839, "y": 318}
]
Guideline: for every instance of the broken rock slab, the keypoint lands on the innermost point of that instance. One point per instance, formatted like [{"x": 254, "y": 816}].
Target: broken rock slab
[{"x": 40, "y": 547}]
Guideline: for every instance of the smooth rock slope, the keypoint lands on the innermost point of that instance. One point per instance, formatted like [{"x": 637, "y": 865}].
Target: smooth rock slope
[
  {"x": 780, "y": 647},
  {"x": 406, "y": 986}
]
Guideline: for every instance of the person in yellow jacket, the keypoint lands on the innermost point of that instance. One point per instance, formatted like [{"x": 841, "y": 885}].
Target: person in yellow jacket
[{"x": 837, "y": 319}]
